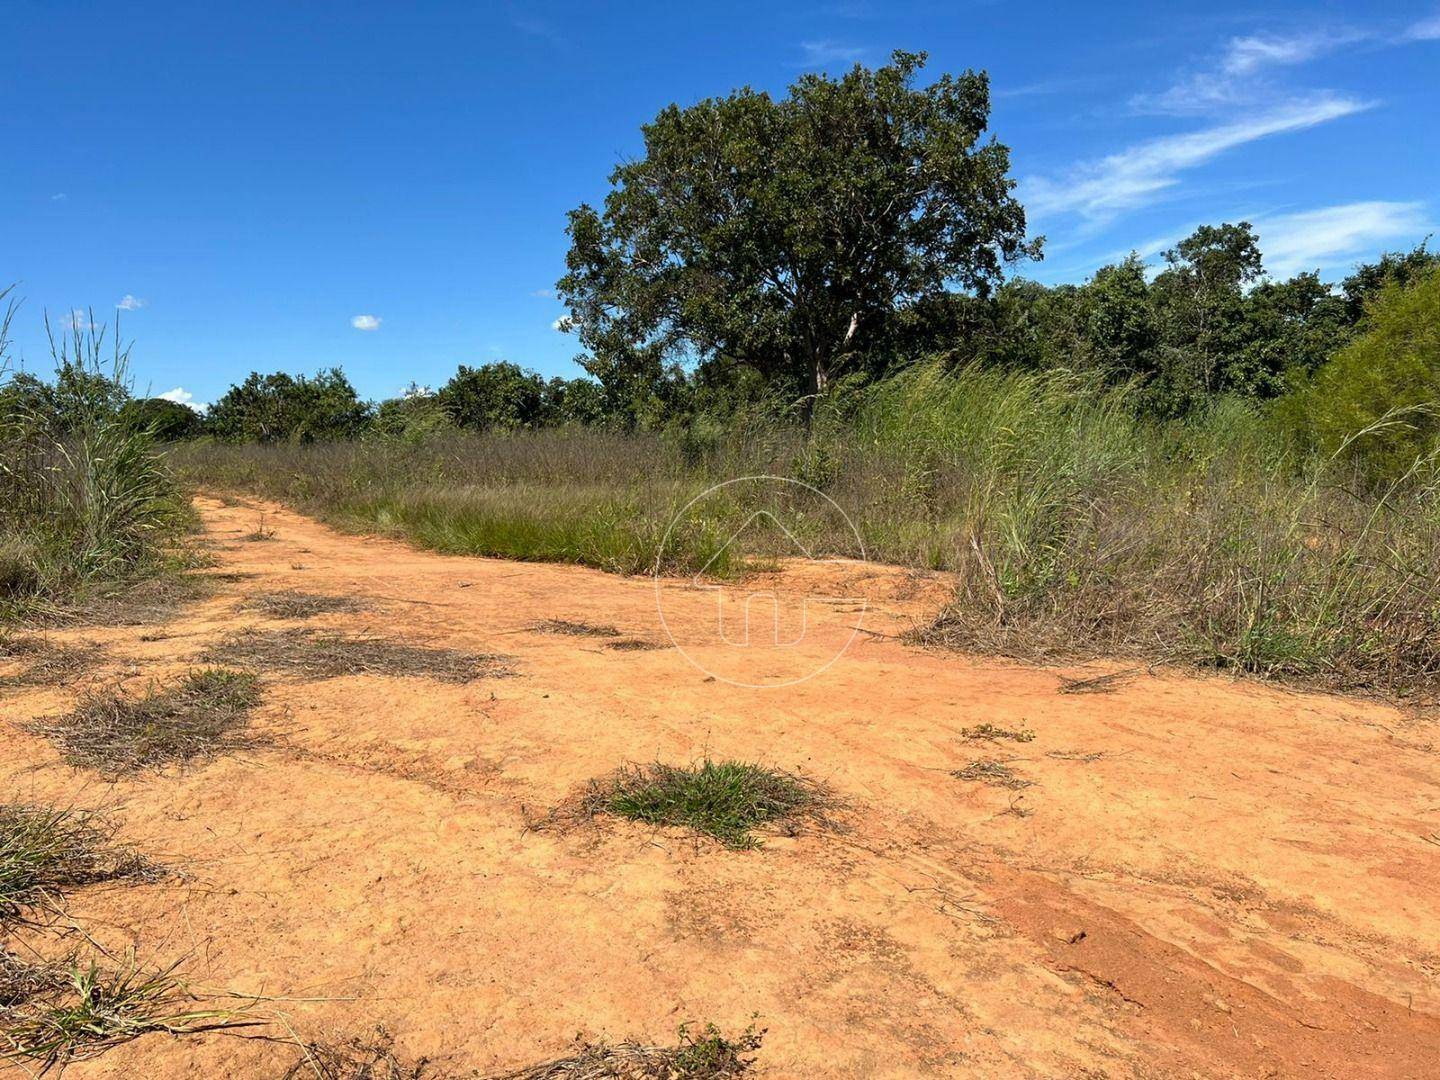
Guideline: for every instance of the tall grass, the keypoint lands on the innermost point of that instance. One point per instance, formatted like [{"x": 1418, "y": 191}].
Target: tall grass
[
  {"x": 1074, "y": 527},
  {"x": 84, "y": 497}
]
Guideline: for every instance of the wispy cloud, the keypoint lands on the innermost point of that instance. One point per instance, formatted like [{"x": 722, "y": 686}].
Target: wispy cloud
[
  {"x": 1241, "y": 74},
  {"x": 828, "y": 51},
  {"x": 59, "y": 196},
  {"x": 366, "y": 322},
  {"x": 1425, "y": 29},
  {"x": 562, "y": 324},
  {"x": 543, "y": 294},
  {"x": 1335, "y": 235},
  {"x": 181, "y": 396},
  {"x": 1138, "y": 175},
  {"x": 132, "y": 303}
]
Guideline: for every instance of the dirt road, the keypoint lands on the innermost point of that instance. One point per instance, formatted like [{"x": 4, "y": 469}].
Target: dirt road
[{"x": 1203, "y": 878}]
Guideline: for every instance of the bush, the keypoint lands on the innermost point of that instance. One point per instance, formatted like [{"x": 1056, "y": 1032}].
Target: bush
[
  {"x": 168, "y": 421},
  {"x": 287, "y": 408},
  {"x": 1378, "y": 400}
]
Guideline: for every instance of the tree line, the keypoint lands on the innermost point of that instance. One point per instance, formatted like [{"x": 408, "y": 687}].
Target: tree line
[{"x": 779, "y": 253}]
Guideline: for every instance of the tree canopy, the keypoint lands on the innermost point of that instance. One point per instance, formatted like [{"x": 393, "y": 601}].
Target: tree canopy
[{"x": 786, "y": 235}]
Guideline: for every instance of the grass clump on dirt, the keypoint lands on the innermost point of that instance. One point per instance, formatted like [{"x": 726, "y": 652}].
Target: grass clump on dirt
[
  {"x": 98, "y": 1009},
  {"x": 990, "y": 732},
  {"x": 699, "y": 1055},
  {"x": 633, "y": 645},
  {"x": 45, "y": 852},
  {"x": 296, "y": 604},
  {"x": 726, "y": 800},
  {"x": 575, "y": 629},
  {"x": 322, "y": 655},
  {"x": 200, "y": 717},
  {"x": 994, "y": 773},
  {"x": 46, "y": 662}
]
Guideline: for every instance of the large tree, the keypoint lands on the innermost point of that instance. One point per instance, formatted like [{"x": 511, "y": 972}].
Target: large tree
[{"x": 787, "y": 234}]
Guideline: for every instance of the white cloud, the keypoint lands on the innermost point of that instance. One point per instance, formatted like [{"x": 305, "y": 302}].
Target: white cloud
[
  {"x": 1425, "y": 29},
  {"x": 181, "y": 396},
  {"x": 1245, "y": 55},
  {"x": 77, "y": 319},
  {"x": 818, "y": 53},
  {"x": 366, "y": 322},
  {"x": 1239, "y": 75},
  {"x": 59, "y": 196},
  {"x": 132, "y": 303},
  {"x": 1101, "y": 189},
  {"x": 562, "y": 324},
  {"x": 543, "y": 294},
  {"x": 1333, "y": 235}
]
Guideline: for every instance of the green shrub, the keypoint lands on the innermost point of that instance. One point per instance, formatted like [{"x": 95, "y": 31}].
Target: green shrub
[{"x": 1377, "y": 401}]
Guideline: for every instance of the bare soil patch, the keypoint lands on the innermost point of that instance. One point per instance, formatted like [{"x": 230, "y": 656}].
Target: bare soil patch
[{"x": 1205, "y": 876}]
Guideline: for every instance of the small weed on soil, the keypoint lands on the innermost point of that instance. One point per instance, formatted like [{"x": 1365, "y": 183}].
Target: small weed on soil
[
  {"x": 45, "y": 852},
  {"x": 202, "y": 716},
  {"x": 725, "y": 800},
  {"x": 328, "y": 655},
  {"x": 260, "y": 532},
  {"x": 706, "y": 1055},
  {"x": 99, "y": 1009},
  {"x": 294, "y": 604},
  {"x": 994, "y": 773},
  {"x": 575, "y": 629},
  {"x": 991, "y": 732}
]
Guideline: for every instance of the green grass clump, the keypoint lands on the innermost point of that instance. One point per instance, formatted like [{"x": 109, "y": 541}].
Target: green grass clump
[
  {"x": 726, "y": 800},
  {"x": 45, "y": 852},
  {"x": 100, "y": 1009},
  {"x": 201, "y": 716}
]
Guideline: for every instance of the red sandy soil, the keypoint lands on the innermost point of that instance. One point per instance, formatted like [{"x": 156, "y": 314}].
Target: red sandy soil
[{"x": 1205, "y": 878}]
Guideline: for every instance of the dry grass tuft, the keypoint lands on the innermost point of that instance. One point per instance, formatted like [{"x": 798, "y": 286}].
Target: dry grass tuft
[
  {"x": 133, "y": 603},
  {"x": 44, "y": 853},
  {"x": 726, "y": 800},
  {"x": 706, "y": 1055},
  {"x": 48, "y": 662},
  {"x": 633, "y": 645},
  {"x": 324, "y": 655},
  {"x": 355, "y": 1059},
  {"x": 24, "y": 980},
  {"x": 295, "y": 604},
  {"x": 992, "y": 733},
  {"x": 200, "y": 717},
  {"x": 99, "y": 1009},
  {"x": 575, "y": 629},
  {"x": 1099, "y": 684},
  {"x": 994, "y": 773}
]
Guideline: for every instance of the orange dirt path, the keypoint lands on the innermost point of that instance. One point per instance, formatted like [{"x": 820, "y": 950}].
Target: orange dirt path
[{"x": 1206, "y": 878}]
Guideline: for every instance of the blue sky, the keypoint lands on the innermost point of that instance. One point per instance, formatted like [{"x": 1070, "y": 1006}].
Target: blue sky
[{"x": 296, "y": 185}]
